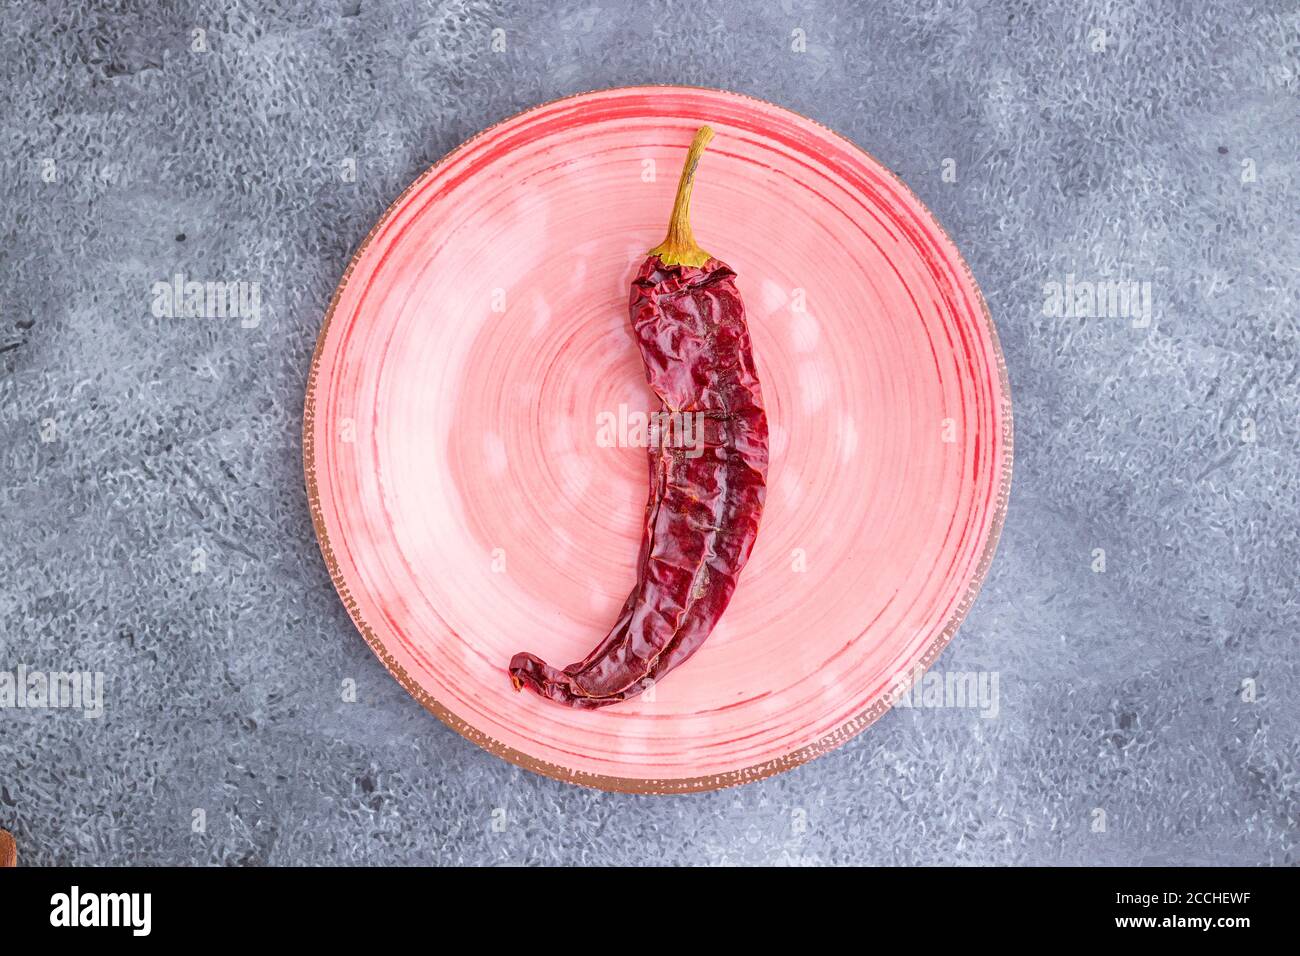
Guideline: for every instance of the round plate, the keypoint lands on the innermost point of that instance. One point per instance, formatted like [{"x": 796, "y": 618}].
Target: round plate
[{"x": 470, "y": 503}]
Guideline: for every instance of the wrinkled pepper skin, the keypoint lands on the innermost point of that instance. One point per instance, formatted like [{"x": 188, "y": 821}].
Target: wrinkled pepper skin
[{"x": 703, "y": 512}]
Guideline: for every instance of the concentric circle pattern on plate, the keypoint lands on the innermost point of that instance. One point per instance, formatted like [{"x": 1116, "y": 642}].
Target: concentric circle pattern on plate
[{"x": 467, "y": 509}]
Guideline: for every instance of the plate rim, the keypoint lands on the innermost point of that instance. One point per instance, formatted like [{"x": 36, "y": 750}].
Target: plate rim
[{"x": 646, "y": 785}]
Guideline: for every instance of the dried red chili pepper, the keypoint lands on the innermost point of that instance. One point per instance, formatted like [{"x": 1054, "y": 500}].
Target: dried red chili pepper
[{"x": 704, "y": 509}]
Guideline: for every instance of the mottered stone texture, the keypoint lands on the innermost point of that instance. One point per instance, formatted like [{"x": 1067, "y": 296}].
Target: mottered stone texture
[{"x": 1160, "y": 691}]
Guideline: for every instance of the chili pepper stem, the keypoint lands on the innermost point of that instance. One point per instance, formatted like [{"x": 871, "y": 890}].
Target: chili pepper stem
[{"x": 680, "y": 247}]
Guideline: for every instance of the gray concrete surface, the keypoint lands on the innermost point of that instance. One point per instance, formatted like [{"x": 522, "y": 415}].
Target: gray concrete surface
[{"x": 1160, "y": 692}]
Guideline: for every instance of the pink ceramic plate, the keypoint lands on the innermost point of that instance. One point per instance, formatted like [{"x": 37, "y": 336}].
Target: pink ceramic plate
[{"x": 468, "y": 507}]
